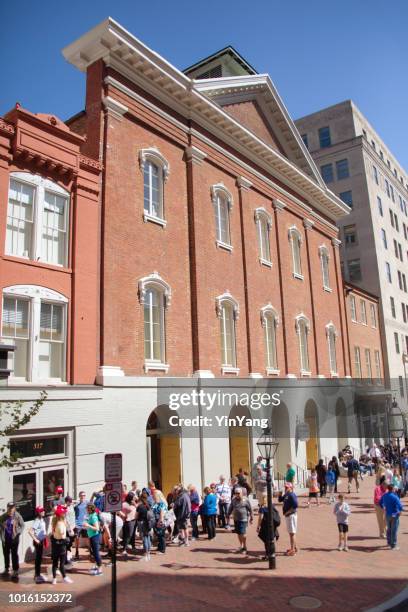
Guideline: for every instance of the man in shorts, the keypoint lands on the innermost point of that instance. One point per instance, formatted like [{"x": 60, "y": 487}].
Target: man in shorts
[
  {"x": 289, "y": 509},
  {"x": 342, "y": 512},
  {"x": 241, "y": 510}
]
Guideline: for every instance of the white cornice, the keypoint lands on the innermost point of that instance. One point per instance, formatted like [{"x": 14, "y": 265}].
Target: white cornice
[{"x": 120, "y": 49}]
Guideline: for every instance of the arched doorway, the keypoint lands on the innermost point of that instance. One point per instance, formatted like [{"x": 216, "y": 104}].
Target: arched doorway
[
  {"x": 240, "y": 443},
  {"x": 163, "y": 450},
  {"x": 281, "y": 430},
  {"x": 341, "y": 423},
  {"x": 312, "y": 445}
]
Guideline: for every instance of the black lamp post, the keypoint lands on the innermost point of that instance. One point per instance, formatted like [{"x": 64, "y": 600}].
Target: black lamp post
[
  {"x": 268, "y": 446},
  {"x": 396, "y": 426}
]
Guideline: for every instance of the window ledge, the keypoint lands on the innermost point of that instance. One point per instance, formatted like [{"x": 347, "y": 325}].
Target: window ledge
[
  {"x": 272, "y": 372},
  {"x": 158, "y": 220},
  {"x": 265, "y": 262},
  {"x": 37, "y": 263},
  {"x": 156, "y": 365},
  {"x": 328, "y": 289},
  {"x": 224, "y": 245},
  {"x": 297, "y": 275},
  {"x": 305, "y": 373},
  {"x": 362, "y": 323},
  {"x": 334, "y": 374},
  {"x": 22, "y": 382},
  {"x": 230, "y": 370}
]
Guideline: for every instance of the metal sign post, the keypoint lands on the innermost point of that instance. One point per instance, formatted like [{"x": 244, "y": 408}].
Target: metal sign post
[
  {"x": 114, "y": 590},
  {"x": 113, "y": 504}
]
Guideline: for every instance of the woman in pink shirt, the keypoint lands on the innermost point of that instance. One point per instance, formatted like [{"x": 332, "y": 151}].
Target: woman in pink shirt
[{"x": 379, "y": 491}]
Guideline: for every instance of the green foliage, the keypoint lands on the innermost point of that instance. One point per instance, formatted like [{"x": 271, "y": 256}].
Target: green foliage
[{"x": 13, "y": 416}]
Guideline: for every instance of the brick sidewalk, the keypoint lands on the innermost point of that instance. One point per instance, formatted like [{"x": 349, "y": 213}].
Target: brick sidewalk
[{"x": 211, "y": 575}]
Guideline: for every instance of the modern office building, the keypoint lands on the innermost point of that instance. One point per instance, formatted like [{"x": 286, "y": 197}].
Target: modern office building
[{"x": 357, "y": 165}]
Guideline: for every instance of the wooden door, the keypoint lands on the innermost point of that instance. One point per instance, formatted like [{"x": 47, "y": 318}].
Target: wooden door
[{"x": 170, "y": 462}]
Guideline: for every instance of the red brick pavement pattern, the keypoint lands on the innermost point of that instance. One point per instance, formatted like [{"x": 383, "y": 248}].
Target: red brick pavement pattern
[{"x": 211, "y": 575}]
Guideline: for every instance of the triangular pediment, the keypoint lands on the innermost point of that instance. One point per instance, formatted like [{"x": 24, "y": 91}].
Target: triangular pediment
[{"x": 254, "y": 102}]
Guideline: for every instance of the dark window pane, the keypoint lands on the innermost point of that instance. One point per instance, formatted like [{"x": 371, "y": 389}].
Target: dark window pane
[{"x": 24, "y": 495}]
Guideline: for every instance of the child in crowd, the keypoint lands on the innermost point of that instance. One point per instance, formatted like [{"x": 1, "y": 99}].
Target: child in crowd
[
  {"x": 331, "y": 483},
  {"x": 313, "y": 487},
  {"x": 342, "y": 512}
]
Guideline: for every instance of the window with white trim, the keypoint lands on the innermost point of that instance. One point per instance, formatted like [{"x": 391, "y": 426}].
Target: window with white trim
[
  {"x": 34, "y": 321},
  {"x": 228, "y": 312},
  {"x": 155, "y": 297},
  {"x": 37, "y": 219},
  {"x": 363, "y": 312},
  {"x": 222, "y": 201},
  {"x": 331, "y": 334},
  {"x": 324, "y": 258},
  {"x": 270, "y": 321},
  {"x": 263, "y": 225},
  {"x": 357, "y": 361},
  {"x": 302, "y": 330},
  {"x": 373, "y": 312},
  {"x": 353, "y": 308},
  {"x": 155, "y": 170},
  {"x": 367, "y": 353},
  {"x": 377, "y": 360},
  {"x": 295, "y": 238}
]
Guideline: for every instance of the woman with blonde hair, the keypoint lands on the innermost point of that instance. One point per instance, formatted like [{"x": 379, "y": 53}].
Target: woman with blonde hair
[{"x": 59, "y": 543}]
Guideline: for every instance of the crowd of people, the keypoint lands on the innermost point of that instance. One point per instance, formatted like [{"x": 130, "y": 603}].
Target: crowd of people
[{"x": 149, "y": 518}]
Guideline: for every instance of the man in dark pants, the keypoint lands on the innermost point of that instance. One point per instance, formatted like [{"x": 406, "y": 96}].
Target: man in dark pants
[{"x": 11, "y": 527}]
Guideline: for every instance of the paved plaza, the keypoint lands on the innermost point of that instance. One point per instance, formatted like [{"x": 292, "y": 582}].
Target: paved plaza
[{"x": 210, "y": 575}]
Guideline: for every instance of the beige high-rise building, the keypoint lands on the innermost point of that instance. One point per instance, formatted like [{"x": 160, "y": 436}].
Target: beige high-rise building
[{"x": 357, "y": 165}]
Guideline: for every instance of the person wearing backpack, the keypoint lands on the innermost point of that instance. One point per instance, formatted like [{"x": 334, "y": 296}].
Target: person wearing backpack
[
  {"x": 182, "y": 510},
  {"x": 262, "y": 527},
  {"x": 353, "y": 471},
  {"x": 146, "y": 522}
]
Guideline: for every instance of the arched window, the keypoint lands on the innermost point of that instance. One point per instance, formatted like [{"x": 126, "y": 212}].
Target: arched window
[
  {"x": 155, "y": 172},
  {"x": 155, "y": 296},
  {"x": 263, "y": 223},
  {"x": 222, "y": 201},
  {"x": 302, "y": 329},
  {"x": 295, "y": 238},
  {"x": 228, "y": 311},
  {"x": 270, "y": 321},
  {"x": 324, "y": 258},
  {"x": 37, "y": 219},
  {"x": 34, "y": 321},
  {"x": 331, "y": 334}
]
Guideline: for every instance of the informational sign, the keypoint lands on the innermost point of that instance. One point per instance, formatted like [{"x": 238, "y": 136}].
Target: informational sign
[
  {"x": 113, "y": 467},
  {"x": 303, "y": 432},
  {"x": 113, "y": 496}
]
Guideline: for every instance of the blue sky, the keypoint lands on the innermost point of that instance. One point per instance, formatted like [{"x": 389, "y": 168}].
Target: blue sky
[{"x": 317, "y": 52}]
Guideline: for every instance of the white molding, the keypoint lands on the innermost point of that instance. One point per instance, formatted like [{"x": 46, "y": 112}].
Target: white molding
[
  {"x": 244, "y": 183},
  {"x": 151, "y": 366},
  {"x": 221, "y": 188},
  {"x": 262, "y": 212},
  {"x": 269, "y": 310},
  {"x": 152, "y": 219},
  {"x": 114, "y": 107},
  {"x": 203, "y": 374},
  {"x": 278, "y": 205},
  {"x": 226, "y": 297},
  {"x": 336, "y": 242},
  {"x": 294, "y": 230},
  {"x": 323, "y": 250},
  {"x": 308, "y": 224},
  {"x": 255, "y": 375},
  {"x": 35, "y": 291},
  {"x": 302, "y": 317},
  {"x": 305, "y": 373},
  {"x": 224, "y": 245},
  {"x": 195, "y": 155},
  {"x": 229, "y": 370},
  {"x": 106, "y": 370},
  {"x": 153, "y": 154},
  {"x": 272, "y": 372},
  {"x": 265, "y": 262},
  {"x": 297, "y": 275},
  {"x": 291, "y": 376},
  {"x": 154, "y": 280}
]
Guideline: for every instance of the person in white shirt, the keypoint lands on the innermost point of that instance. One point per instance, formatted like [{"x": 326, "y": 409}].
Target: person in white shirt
[
  {"x": 70, "y": 521},
  {"x": 39, "y": 533},
  {"x": 388, "y": 474},
  {"x": 223, "y": 491}
]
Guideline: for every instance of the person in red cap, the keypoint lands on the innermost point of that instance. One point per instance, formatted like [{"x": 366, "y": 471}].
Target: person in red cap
[
  {"x": 59, "y": 543},
  {"x": 59, "y": 498},
  {"x": 39, "y": 533}
]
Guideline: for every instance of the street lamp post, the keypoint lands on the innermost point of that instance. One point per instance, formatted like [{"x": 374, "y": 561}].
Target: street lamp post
[
  {"x": 396, "y": 427},
  {"x": 268, "y": 446}
]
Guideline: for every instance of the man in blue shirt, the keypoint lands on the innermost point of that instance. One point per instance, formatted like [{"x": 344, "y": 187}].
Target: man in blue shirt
[{"x": 393, "y": 508}]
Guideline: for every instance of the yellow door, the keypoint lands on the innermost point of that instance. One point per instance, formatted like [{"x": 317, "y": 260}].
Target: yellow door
[
  {"x": 170, "y": 462},
  {"x": 239, "y": 450},
  {"x": 312, "y": 448}
]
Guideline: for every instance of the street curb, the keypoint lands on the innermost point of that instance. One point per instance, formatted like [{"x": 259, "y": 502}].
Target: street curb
[{"x": 393, "y": 603}]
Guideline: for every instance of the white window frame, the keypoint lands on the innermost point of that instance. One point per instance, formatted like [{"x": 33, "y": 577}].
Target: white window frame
[
  {"x": 221, "y": 301},
  {"x": 377, "y": 360},
  {"x": 331, "y": 334},
  {"x": 36, "y": 295},
  {"x": 263, "y": 222},
  {"x": 220, "y": 191},
  {"x": 363, "y": 312},
  {"x": 324, "y": 255},
  {"x": 369, "y": 369},
  {"x": 296, "y": 240},
  {"x": 153, "y": 156},
  {"x": 41, "y": 185},
  {"x": 268, "y": 313},
  {"x": 373, "y": 315},
  {"x": 302, "y": 324},
  {"x": 357, "y": 361},
  {"x": 353, "y": 310},
  {"x": 155, "y": 282}
]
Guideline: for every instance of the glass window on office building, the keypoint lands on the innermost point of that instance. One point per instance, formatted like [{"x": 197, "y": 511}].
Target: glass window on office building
[
  {"x": 388, "y": 271},
  {"x": 354, "y": 269},
  {"x": 347, "y": 198},
  {"x": 350, "y": 235},
  {"x": 324, "y": 137},
  {"x": 342, "y": 169},
  {"x": 379, "y": 204},
  {"x": 327, "y": 173}
]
